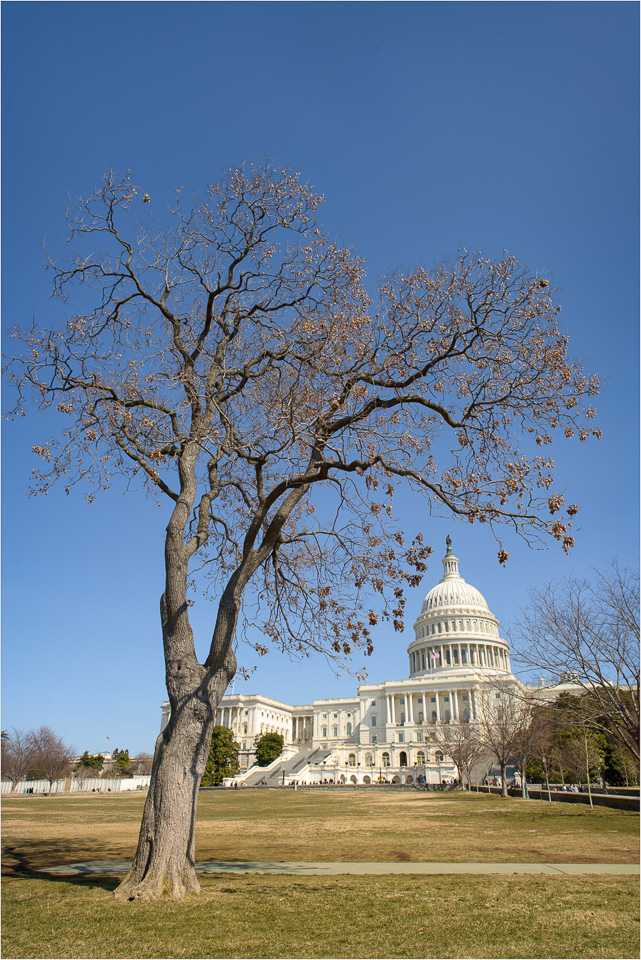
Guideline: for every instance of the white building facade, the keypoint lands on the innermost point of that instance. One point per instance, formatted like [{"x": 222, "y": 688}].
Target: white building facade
[{"x": 389, "y": 730}]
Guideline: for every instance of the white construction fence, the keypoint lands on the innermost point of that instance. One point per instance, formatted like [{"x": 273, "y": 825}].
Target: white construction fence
[{"x": 88, "y": 785}]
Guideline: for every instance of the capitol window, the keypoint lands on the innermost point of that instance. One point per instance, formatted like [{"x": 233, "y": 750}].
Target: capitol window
[
  {"x": 385, "y": 759},
  {"x": 351, "y": 760},
  {"x": 349, "y": 729},
  {"x": 373, "y": 721}
]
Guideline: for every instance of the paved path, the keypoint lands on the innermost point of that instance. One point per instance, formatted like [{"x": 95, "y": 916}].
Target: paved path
[{"x": 330, "y": 869}]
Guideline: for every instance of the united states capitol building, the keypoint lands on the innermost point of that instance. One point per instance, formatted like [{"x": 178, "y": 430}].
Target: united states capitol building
[{"x": 388, "y": 729}]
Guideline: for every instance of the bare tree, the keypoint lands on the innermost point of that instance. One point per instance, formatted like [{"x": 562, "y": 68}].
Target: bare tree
[
  {"x": 460, "y": 741},
  {"x": 534, "y": 737},
  {"x": 589, "y": 632},
  {"x": 143, "y": 762},
  {"x": 233, "y": 361},
  {"x": 504, "y": 717},
  {"x": 582, "y": 752},
  {"x": 16, "y": 756},
  {"x": 50, "y": 756}
]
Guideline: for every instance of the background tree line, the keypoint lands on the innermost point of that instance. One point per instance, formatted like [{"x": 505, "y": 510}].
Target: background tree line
[{"x": 40, "y": 754}]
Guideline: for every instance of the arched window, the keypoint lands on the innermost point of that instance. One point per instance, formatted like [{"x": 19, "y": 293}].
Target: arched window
[
  {"x": 385, "y": 759},
  {"x": 420, "y": 758},
  {"x": 324, "y": 731},
  {"x": 433, "y": 716},
  {"x": 349, "y": 729},
  {"x": 420, "y": 716},
  {"x": 368, "y": 760},
  {"x": 351, "y": 760},
  {"x": 438, "y": 757},
  {"x": 335, "y": 731},
  {"x": 403, "y": 759},
  {"x": 447, "y": 716}
]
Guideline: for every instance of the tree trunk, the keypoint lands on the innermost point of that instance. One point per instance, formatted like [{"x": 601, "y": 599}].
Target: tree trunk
[
  {"x": 164, "y": 864},
  {"x": 503, "y": 781}
]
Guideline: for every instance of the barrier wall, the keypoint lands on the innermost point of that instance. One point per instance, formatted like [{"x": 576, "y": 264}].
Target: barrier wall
[
  {"x": 88, "y": 785},
  {"x": 613, "y": 800},
  {"x": 33, "y": 786}
]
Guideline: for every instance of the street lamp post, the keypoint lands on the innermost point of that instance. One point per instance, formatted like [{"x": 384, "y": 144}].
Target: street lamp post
[
  {"x": 587, "y": 765},
  {"x": 547, "y": 782}
]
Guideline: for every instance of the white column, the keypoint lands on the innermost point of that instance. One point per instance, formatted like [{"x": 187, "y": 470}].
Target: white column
[
  {"x": 438, "y": 707},
  {"x": 473, "y": 703},
  {"x": 454, "y": 696},
  {"x": 392, "y": 709},
  {"x": 410, "y": 709}
]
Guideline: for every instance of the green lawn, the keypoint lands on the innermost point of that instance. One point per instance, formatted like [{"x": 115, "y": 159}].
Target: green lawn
[{"x": 347, "y": 916}]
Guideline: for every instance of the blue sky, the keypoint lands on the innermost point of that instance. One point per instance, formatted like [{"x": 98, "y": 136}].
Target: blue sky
[{"x": 427, "y": 126}]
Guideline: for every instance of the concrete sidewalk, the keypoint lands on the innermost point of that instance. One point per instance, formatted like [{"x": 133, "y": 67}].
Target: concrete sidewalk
[{"x": 331, "y": 869}]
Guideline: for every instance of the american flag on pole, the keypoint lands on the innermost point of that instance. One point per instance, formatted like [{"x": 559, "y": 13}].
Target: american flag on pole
[{"x": 435, "y": 655}]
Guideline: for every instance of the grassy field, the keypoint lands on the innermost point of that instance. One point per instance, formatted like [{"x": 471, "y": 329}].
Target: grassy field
[
  {"x": 285, "y": 916},
  {"x": 328, "y": 917},
  {"x": 288, "y": 825}
]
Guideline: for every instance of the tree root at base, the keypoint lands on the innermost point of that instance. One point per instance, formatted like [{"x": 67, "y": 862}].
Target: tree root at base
[{"x": 159, "y": 884}]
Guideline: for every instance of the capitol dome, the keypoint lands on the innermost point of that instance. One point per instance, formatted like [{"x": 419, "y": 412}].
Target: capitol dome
[{"x": 455, "y": 627}]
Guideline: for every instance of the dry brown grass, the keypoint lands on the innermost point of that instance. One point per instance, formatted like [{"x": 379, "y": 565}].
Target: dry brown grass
[
  {"x": 287, "y": 825},
  {"x": 351, "y": 917}
]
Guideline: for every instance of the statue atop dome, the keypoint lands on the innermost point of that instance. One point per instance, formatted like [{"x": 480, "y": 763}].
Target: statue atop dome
[{"x": 448, "y": 544}]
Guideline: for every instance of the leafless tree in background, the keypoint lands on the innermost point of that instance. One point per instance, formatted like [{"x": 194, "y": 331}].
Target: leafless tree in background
[
  {"x": 589, "y": 630},
  {"x": 50, "y": 757},
  {"x": 460, "y": 741},
  {"x": 504, "y": 717},
  {"x": 16, "y": 756}
]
